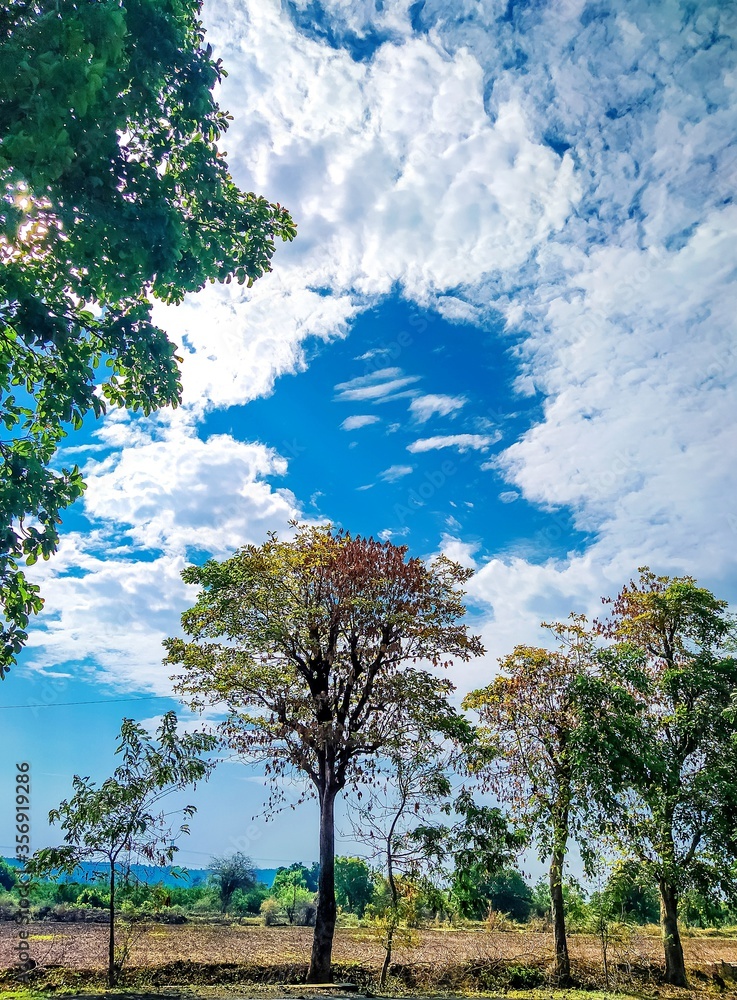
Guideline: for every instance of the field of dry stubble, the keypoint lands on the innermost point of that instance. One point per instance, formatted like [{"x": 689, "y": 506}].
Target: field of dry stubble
[{"x": 431, "y": 957}]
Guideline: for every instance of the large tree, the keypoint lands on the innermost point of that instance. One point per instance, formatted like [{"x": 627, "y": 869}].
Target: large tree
[
  {"x": 113, "y": 191},
  {"x": 315, "y": 645},
  {"x": 676, "y": 812},
  {"x": 121, "y": 820},
  {"x": 546, "y": 748}
]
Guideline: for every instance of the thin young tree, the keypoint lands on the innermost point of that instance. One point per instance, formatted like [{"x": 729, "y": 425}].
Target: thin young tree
[
  {"x": 400, "y": 822},
  {"x": 417, "y": 783},
  {"x": 121, "y": 820},
  {"x": 314, "y": 645},
  {"x": 675, "y": 812}
]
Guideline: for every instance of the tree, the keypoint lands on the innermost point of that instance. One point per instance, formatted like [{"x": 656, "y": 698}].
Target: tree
[
  {"x": 234, "y": 871},
  {"x": 396, "y": 824},
  {"x": 631, "y": 894},
  {"x": 417, "y": 784},
  {"x": 312, "y": 644},
  {"x": 8, "y": 877},
  {"x": 354, "y": 887},
  {"x": 291, "y": 890},
  {"x": 112, "y": 191},
  {"x": 676, "y": 812},
  {"x": 310, "y": 876},
  {"x": 534, "y": 729},
  {"x": 504, "y": 892},
  {"x": 119, "y": 821}
]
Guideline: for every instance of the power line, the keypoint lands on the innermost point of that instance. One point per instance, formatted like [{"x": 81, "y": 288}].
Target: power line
[{"x": 101, "y": 701}]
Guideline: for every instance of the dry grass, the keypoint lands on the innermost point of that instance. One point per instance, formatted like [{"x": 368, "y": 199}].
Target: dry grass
[{"x": 434, "y": 959}]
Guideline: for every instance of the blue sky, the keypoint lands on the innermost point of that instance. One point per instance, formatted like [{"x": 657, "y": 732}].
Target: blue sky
[{"x": 505, "y": 331}]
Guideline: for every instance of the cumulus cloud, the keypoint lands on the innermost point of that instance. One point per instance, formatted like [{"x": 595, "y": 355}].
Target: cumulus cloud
[
  {"x": 401, "y": 176},
  {"x": 180, "y": 492},
  {"x": 463, "y": 442},
  {"x": 424, "y": 407},
  {"x": 114, "y": 592},
  {"x": 458, "y": 550},
  {"x": 236, "y": 342}
]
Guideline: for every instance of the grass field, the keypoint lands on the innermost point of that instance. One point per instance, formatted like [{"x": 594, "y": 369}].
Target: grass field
[{"x": 433, "y": 960}]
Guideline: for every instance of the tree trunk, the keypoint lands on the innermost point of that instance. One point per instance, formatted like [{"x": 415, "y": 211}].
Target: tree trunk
[
  {"x": 322, "y": 941},
  {"x": 111, "y": 938},
  {"x": 675, "y": 967},
  {"x": 388, "y": 944},
  {"x": 394, "y": 919},
  {"x": 562, "y": 969}
]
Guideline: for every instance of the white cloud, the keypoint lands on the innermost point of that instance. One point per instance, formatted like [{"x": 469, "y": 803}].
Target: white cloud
[
  {"x": 463, "y": 442},
  {"x": 236, "y": 342},
  {"x": 458, "y": 550},
  {"x": 113, "y": 593},
  {"x": 395, "y": 472},
  {"x": 353, "y": 423},
  {"x": 375, "y": 386},
  {"x": 400, "y": 175},
  {"x": 181, "y": 492},
  {"x": 387, "y": 534},
  {"x": 424, "y": 407}
]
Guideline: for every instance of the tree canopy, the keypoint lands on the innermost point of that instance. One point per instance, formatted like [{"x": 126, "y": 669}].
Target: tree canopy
[
  {"x": 231, "y": 872},
  {"x": 113, "y": 191},
  {"x": 315, "y": 646}
]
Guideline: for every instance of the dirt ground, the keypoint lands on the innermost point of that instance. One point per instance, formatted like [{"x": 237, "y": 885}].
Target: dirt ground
[
  {"x": 191, "y": 956},
  {"x": 84, "y": 946}
]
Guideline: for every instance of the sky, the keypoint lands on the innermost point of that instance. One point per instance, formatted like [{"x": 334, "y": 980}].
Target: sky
[{"x": 505, "y": 332}]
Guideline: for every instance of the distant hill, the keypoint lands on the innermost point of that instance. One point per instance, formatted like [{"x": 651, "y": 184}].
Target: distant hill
[{"x": 152, "y": 874}]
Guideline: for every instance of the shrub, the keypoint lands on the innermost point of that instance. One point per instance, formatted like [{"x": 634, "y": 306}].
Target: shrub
[
  {"x": 244, "y": 902},
  {"x": 272, "y": 912},
  {"x": 524, "y": 976}
]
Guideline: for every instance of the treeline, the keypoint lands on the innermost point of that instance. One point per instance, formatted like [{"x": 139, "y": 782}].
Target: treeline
[{"x": 505, "y": 900}]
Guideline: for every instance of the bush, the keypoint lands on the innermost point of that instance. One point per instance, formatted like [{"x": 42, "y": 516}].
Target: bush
[
  {"x": 524, "y": 976},
  {"x": 207, "y": 903},
  {"x": 496, "y": 921},
  {"x": 78, "y": 914},
  {"x": 67, "y": 892},
  {"x": 245, "y": 902},
  {"x": 93, "y": 896},
  {"x": 272, "y": 912}
]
